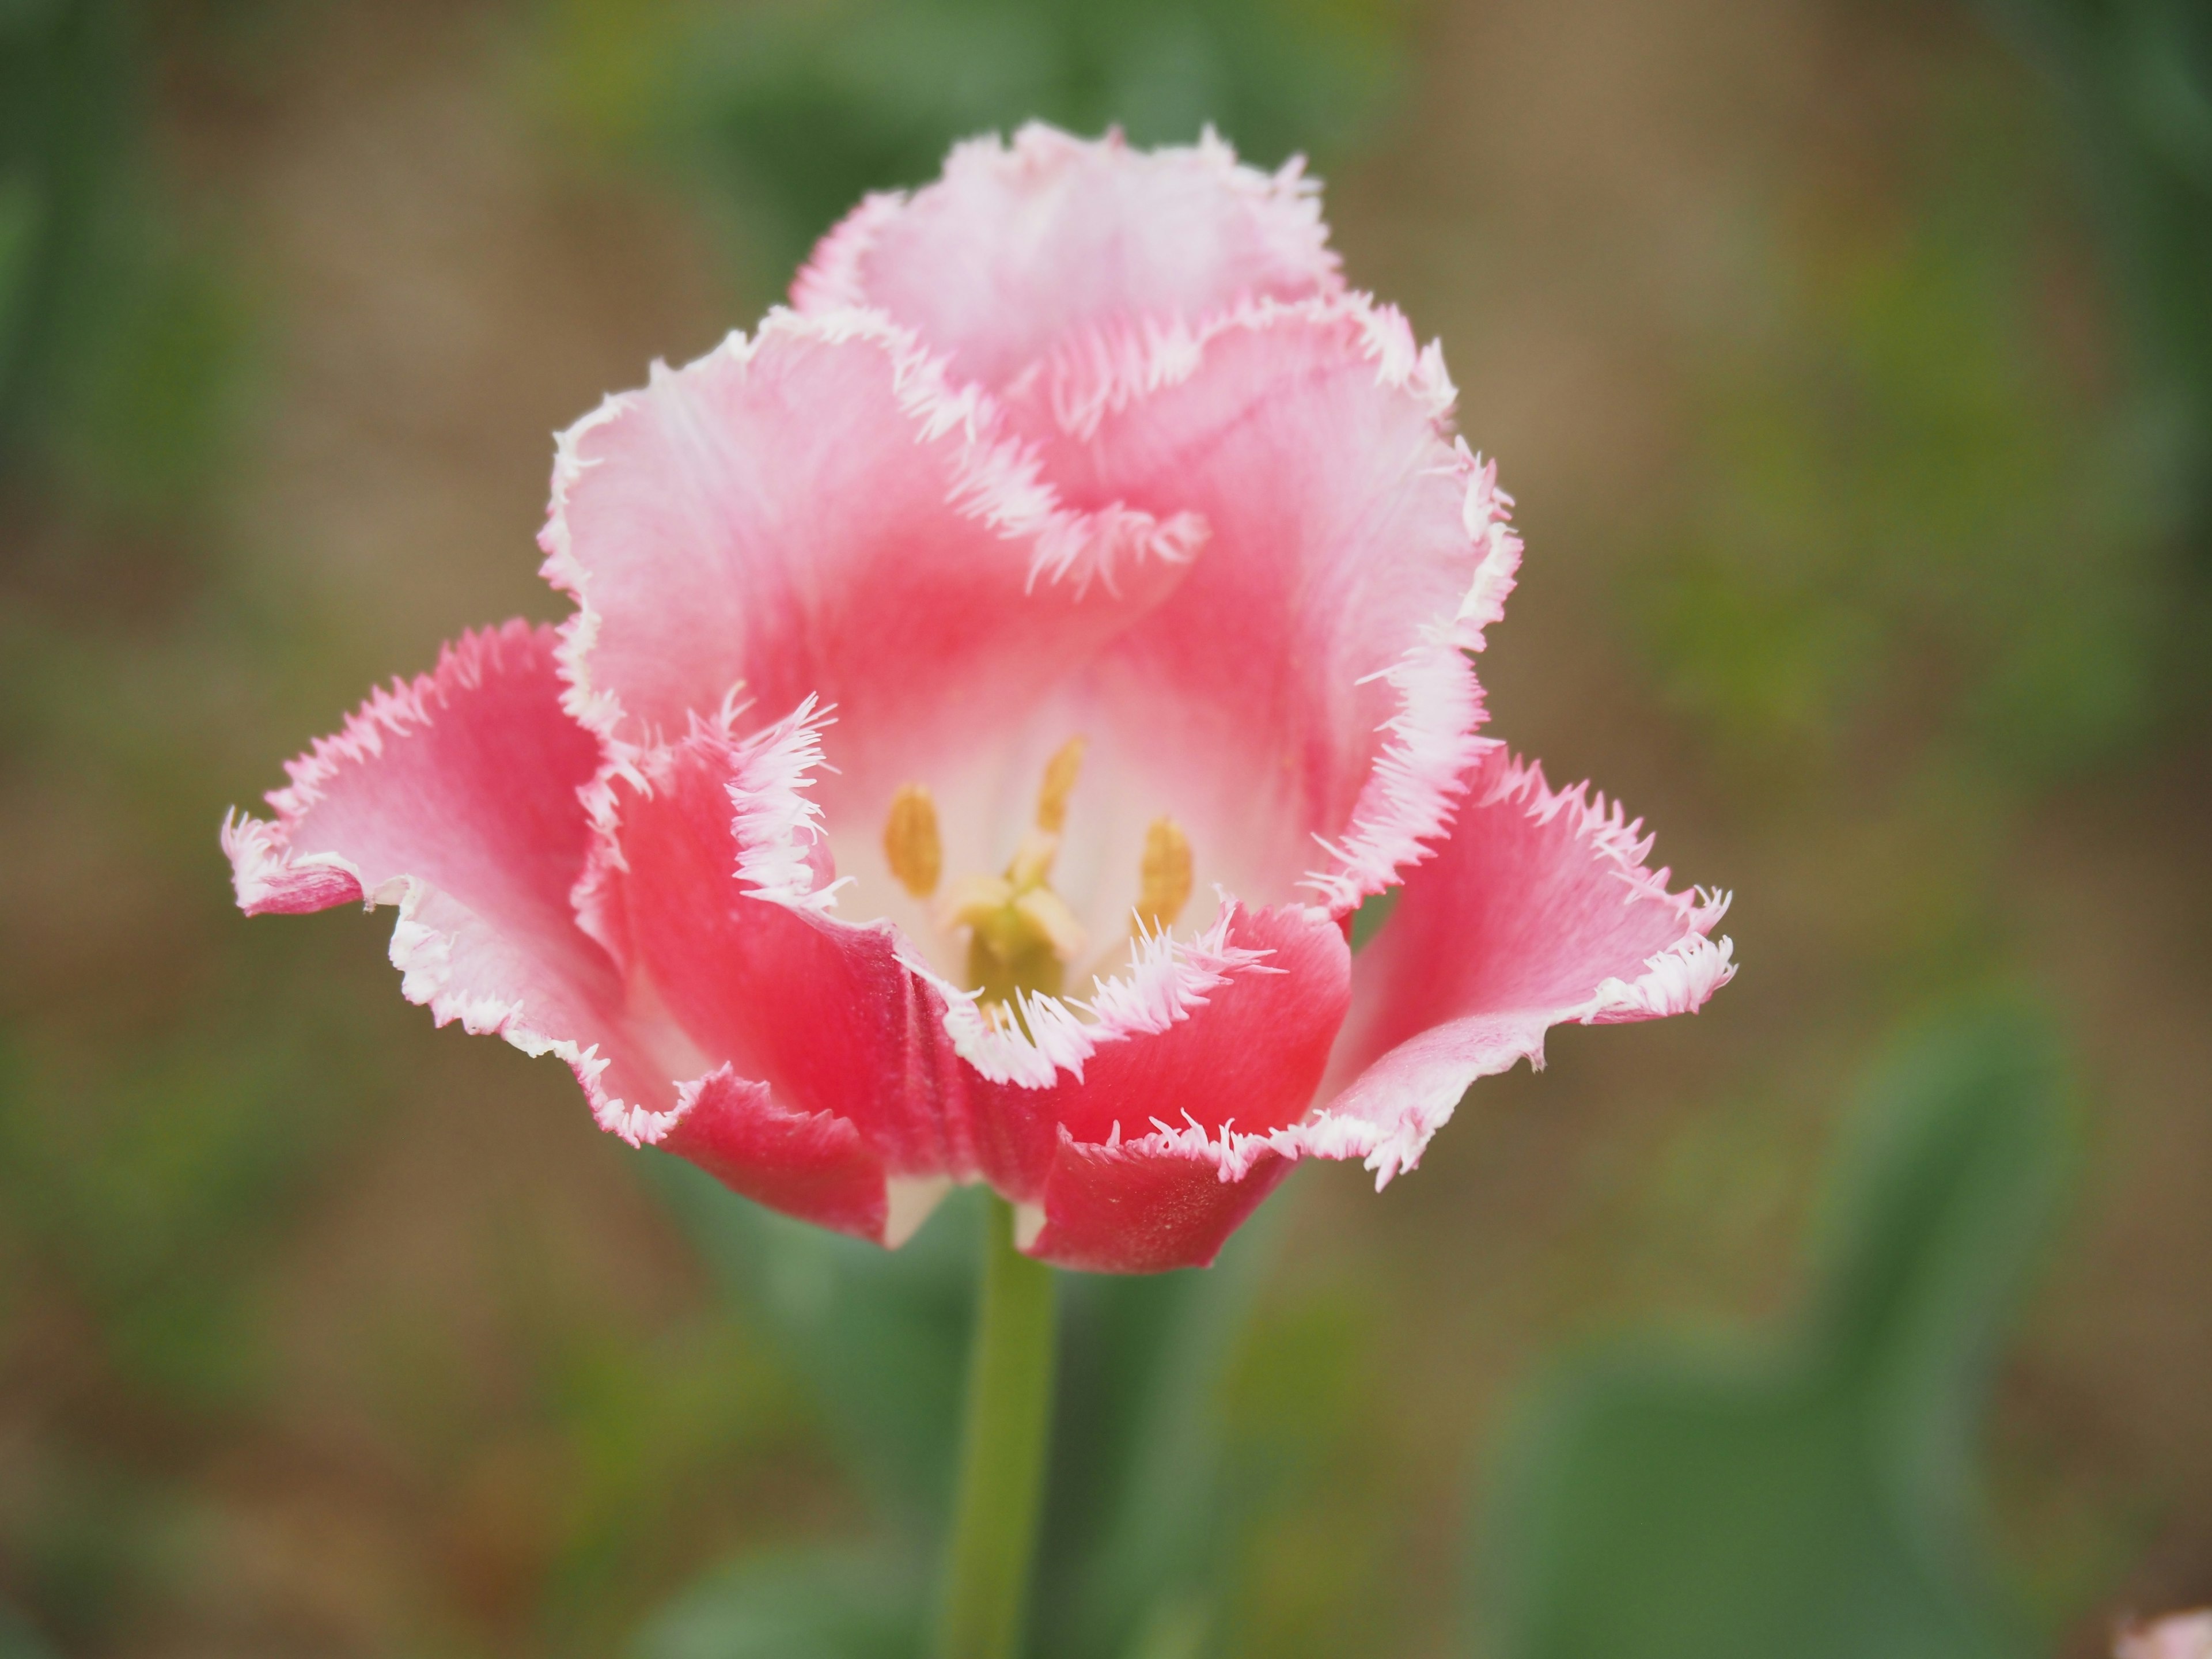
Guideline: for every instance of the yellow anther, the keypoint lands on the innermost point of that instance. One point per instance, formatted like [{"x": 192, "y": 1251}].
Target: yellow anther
[
  {"x": 1164, "y": 886},
  {"x": 1059, "y": 775},
  {"x": 911, "y": 843}
]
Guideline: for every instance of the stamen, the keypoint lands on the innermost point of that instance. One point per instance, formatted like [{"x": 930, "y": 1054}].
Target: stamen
[
  {"x": 1059, "y": 775},
  {"x": 1164, "y": 875},
  {"x": 911, "y": 842}
]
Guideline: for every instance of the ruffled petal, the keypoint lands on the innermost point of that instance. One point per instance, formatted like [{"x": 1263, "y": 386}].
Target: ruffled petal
[
  {"x": 1164, "y": 1146},
  {"x": 1019, "y": 247},
  {"x": 705, "y": 890},
  {"x": 1538, "y": 910},
  {"x": 813, "y": 513},
  {"x": 455, "y": 797},
  {"x": 1303, "y": 701}
]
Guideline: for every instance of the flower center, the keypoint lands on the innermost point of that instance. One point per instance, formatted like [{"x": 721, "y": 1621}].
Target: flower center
[{"x": 1021, "y": 936}]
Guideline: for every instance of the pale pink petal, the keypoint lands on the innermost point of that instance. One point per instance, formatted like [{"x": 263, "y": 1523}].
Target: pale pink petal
[
  {"x": 1538, "y": 910},
  {"x": 1019, "y": 247},
  {"x": 812, "y": 512},
  {"x": 2182, "y": 1636},
  {"x": 1303, "y": 704},
  {"x": 455, "y": 798}
]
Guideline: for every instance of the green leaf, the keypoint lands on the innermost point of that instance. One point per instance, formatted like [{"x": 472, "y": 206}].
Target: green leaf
[
  {"x": 818, "y": 1604},
  {"x": 1138, "y": 1513},
  {"x": 1812, "y": 1498},
  {"x": 880, "y": 1337}
]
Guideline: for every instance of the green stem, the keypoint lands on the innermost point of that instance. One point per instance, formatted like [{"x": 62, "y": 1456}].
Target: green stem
[{"x": 1002, "y": 1458}]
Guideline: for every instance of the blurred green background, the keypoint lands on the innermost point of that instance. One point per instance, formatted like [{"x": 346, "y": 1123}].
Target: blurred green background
[{"x": 1851, "y": 361}]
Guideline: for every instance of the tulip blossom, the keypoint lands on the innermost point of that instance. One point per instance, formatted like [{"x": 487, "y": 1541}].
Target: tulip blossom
[
  {"x": 2182, "y": 1636},
  {"x": 991, "y": 687}
]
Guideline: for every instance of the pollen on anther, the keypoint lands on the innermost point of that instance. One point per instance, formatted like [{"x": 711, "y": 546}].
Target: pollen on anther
[
  {"x": 1059, "y": 775},
  {"x": 911, "y": 842},
  {"x": 1164, "y": 875}
]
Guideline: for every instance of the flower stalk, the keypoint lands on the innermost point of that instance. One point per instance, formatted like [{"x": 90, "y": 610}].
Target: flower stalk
[{"x": 1003, "y": 1447}]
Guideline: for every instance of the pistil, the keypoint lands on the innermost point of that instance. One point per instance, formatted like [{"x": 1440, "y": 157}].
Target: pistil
[{"x": 1021, "y": 935}]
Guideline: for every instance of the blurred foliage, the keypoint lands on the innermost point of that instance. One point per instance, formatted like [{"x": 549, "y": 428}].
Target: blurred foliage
[
  {"x": 1914, "y": 523},
  {"x": 789, "y": 111},
  {"x": 120, "y": 334},
  {"x": 1815, "y": 1497},
  {"x": 2140, "y": 75},
  {"x": 1132, "y": 1554}
]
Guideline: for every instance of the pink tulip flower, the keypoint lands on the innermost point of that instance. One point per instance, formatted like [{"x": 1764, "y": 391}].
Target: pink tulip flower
[
  {"x": 991, "y": 687},
  {"x": 2183, "y": 1636}
]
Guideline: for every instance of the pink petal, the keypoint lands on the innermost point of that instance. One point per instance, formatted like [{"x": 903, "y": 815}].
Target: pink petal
[
  {"x": 1017, "y": 248},
  {"x": 705, "y": 891},
  {"x": 1145, "y": 1207},
  {"x": 455, "y": 797},
  {"x": 810, "y": 1164},
  {"x": 705, "y": 901},
  {"x": 812, "y": 512},
  {"x": 1308, "y": 679},
  {"x": 2182, "y": 1636},
  {"x": 1164, "y": 1147},
  {"x": 1538, "y": 910}
]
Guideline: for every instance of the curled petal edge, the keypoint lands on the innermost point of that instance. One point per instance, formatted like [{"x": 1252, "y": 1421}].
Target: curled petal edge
[
  {"x": 993, "y": 476},
  {"x": 1416, "y": 782}
]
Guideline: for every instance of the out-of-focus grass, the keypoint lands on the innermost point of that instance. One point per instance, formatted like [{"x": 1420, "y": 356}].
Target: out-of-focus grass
[
  {"x": 1910, "y": 520},
  {"x": 786, "y": 111}
]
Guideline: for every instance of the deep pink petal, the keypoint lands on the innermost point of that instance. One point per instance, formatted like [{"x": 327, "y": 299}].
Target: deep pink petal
[
  {"x": 1018, "y": 247},
  {"x": 710, "y": 900},
  {"x": 461, "y": 798},
  {"x": 1163, "y": 1148},
  {"x": 1538, "y": 910},
  {"x": 813, "y": 1165},
  {"x": 1229, "y": 1031},
  {"x": 1145, "y": 1207},
  {"x": 1307, "y": 681},
  {"x": 455, "y": 797}
]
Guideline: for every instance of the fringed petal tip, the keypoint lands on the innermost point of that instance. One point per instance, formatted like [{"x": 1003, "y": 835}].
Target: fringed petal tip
[
  {"x": 1016, "y": 246},
  {"x": 1541, "y": 910},
  {"x": 268, "y": 875},
  {"x": 268, "y": 881},
  {"x": 1167, "y": 982}
]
